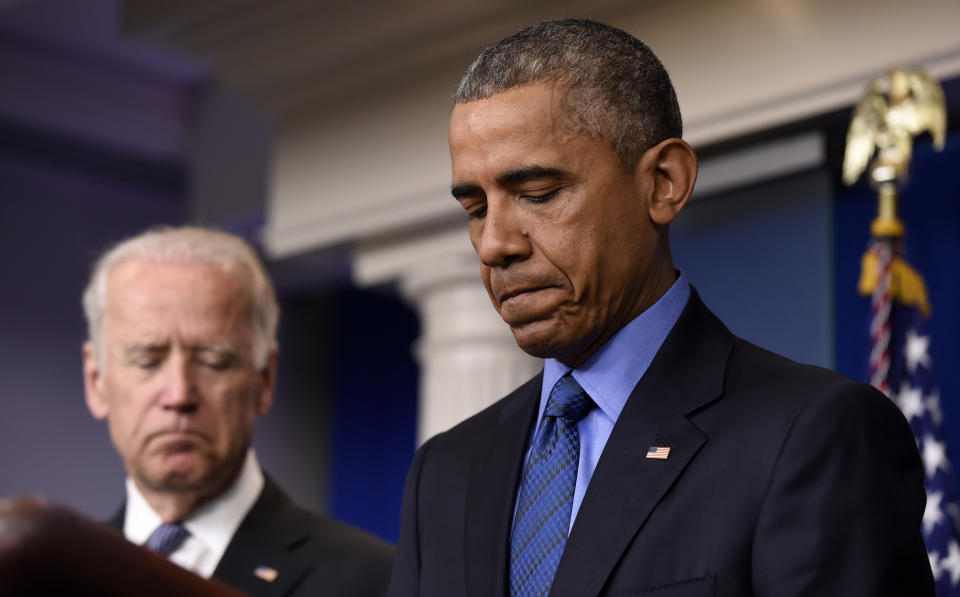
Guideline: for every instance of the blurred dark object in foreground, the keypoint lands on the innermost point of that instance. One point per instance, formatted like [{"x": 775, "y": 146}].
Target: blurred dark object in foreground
[{"x": 47, "y": 549}]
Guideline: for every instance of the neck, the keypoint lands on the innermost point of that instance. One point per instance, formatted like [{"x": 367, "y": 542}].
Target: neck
[
  {"x": 658, "y": 282},
  {"x": 175, "y": 504}
]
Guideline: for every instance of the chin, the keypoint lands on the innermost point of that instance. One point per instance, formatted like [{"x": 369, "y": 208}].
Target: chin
[
  {"x": 184, "y": 477},
  {"x": 183, "y": 472},
  {"x": 537, "y": 340},
  {"x": 548, "y": 340}
]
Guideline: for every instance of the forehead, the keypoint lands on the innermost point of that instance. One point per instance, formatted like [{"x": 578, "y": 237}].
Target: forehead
[
  {"x": 149, "y": 294},
  {"x": 533, "y": 103},
  {"x": 521, "y": 127},
  {"x": 528, "y": 116}
]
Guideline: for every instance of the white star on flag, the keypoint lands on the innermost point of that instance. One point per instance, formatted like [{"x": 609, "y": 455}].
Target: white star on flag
[
  {"x": 910, "y": 401},
  {"x": 951, "y": 563},
  {"x": 934, "y": 455},
  {"x": 935, "y": 564},
  {"x": 932, "y": 514},
  {"x": 915, "y": 350}
]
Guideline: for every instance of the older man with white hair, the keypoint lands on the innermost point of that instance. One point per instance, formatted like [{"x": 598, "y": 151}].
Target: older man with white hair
[{"x": 181, "y": 361}]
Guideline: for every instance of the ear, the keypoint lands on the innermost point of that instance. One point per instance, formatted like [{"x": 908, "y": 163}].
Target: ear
[
  {"x": 673, "y": 165},
  {"x": 93, "y": 384},
  {"x": 268, "y": 382}
]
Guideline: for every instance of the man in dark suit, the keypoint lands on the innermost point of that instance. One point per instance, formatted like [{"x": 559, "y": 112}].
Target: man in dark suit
[
  {"x": 656, "y": 454},
  {"x": 181, "y": 361}
]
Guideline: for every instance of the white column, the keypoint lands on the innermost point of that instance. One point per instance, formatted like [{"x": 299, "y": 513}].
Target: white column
[{"x": 467, "y": 355}]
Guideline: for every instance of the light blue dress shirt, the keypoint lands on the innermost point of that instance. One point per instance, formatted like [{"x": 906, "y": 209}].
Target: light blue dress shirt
[{"x": 609, "y": 376}]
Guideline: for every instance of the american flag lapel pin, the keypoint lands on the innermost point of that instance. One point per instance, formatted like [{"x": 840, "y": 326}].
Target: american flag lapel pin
[
  {"x": 658, "y": 452},
  {"x": 266, "y": 573}
]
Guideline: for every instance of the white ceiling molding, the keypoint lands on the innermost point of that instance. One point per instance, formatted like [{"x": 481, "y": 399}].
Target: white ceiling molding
[
  {"x": 380, "y": 261},
  {"x": 760, "y": 162},
  {"x": 397, "y": 216}
]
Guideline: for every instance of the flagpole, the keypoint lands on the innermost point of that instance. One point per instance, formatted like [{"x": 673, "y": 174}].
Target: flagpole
[{"x": 885, "y": 122}]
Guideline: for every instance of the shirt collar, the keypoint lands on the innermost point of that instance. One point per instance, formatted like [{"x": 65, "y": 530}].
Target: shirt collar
[
  {"x": 214, "y": 523},
  {"x": 611, "y": 373}
]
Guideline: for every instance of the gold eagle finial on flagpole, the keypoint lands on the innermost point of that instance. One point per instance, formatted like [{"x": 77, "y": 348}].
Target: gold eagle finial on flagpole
[{"x": 890, "y": 114}]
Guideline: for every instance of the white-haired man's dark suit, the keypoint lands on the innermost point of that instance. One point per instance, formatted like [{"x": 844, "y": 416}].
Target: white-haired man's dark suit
[{"x": 311, "y": 554}]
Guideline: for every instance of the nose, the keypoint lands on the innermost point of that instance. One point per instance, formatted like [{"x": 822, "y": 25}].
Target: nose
[
  {"x": 180, "y": 391},
  {"x": 500, "y": 238}
]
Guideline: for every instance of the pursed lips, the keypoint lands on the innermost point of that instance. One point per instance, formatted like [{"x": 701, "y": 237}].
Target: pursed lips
[
  {"x": 176, "y": 434},
  {"x": 517, "y": 285},
  {"x": 519, "y": 292}
]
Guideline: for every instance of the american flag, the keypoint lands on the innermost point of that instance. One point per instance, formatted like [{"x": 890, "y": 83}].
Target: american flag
[
  {"x": 658, "y": 452},
  {"x": 911, "y": 385}
]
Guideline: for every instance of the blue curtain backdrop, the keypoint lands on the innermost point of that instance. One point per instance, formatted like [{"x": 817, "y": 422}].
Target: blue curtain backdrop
[
  {"x": 761, "y": 259},
  {"x": 375, "y": 386},
  {"x": 930, "y": 209}
]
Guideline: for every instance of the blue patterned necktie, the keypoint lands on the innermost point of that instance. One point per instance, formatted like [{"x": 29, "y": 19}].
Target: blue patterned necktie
[
  {"x": 167, "y": 538},
  {"x": 542, "y": 519}
]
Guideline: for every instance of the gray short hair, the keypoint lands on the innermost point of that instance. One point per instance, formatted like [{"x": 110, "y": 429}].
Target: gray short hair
[
  {"x": 195, "y": 245},
  {"x": 614, "y": 86}
]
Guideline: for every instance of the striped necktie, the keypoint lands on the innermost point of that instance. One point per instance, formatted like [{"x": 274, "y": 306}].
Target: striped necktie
[
  {"x": 542, "y": 519},
  {"x": 167, "y": 538}
]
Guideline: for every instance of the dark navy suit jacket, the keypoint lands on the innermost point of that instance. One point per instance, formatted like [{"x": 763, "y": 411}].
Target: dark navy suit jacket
[
  {"x": 313, "y": 555},
  {"x": 782, "y": 480}
]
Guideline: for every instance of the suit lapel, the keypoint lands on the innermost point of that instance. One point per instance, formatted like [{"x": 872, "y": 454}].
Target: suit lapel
[
  {"x": 686, "y": 375},
  {"x": 491, "y": 493},
  {"x": 624, "y": 490},
  {"x": 289, "y": 568},
  {"x": 267, "y": 538}
]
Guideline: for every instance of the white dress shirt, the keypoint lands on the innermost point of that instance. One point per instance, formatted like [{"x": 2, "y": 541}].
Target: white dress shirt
[{"x": 211, "y": 527}]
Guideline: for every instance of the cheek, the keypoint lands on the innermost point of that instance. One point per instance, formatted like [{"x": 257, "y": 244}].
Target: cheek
[
  {"x": 573, "y": 253},
  {"x": 127, "y": 405},
  {"x": 235, "y": 406},
  {"x": 485, "y": 278},
  {"x": 128, "y": 426}
]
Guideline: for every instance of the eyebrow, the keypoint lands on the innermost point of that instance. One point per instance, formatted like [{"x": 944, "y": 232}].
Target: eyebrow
[
  {"x": 513, "y": 177},
  {"x": 217, "y": 348},
  {"x": 463, "y": 190},
  {"x": 528, "y": 173},
  {"x": 135, "y": 349}
]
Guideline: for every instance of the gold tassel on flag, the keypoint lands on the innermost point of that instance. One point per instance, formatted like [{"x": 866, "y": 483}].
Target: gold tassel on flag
[{"x": 906, "y": 285}]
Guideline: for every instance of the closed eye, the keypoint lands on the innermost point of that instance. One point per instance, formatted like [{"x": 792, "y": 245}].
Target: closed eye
[
  {"x": 215, "y": 358},
  {"x": 146, "y": 363},
  {"x": 145, "y": 357},
  {"x": 541, "y": 198},
  {"x": 216, "y": 365},
  {"x": 476, "y": 207}
]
